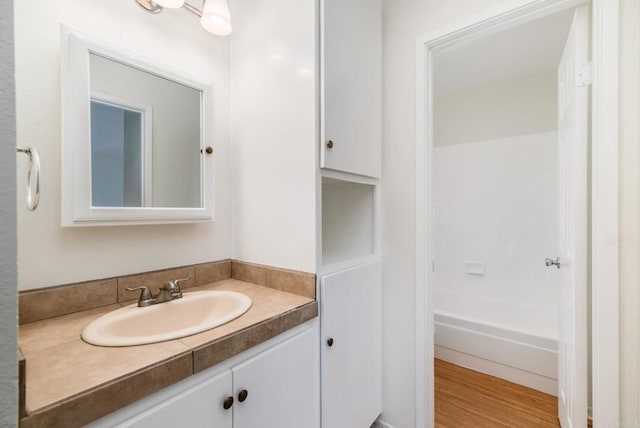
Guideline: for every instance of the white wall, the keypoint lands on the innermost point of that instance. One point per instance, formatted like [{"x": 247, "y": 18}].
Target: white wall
[
  {"x": 629, "y": 212},
  {"x": 517, "y": 106},
  {"x": 50, "y": 255},
  {"x": 273, "y": 82},
  {"x": 8, "y": 289},
  {"x": 404, "y": 21},
  {"x": 495, "y": 202}
]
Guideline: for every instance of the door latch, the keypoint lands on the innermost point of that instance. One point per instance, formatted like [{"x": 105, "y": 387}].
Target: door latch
[{"x": 552, "y": 262}]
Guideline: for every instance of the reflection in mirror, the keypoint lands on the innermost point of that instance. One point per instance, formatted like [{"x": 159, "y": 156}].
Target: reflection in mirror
[
  {"x": 145, "y": 138},
  {"x": 117, "y": 156}
]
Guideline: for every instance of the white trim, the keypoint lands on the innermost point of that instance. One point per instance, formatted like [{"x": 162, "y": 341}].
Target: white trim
[
  {"x": 494, "y": 20},
  {"x": 348, "y": 177},
  {"x": 518, "y": 357},
  {"x": 604, "y": 214},
  {"x": 424, "y": 311},
  {"x": 499, "y": 370}
]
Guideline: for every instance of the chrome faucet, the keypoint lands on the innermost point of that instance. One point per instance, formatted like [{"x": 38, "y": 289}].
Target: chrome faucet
[{"x": 170, "y": 291}]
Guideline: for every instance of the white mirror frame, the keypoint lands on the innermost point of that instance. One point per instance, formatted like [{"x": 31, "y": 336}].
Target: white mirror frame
[{"x": 77, "y": 209}]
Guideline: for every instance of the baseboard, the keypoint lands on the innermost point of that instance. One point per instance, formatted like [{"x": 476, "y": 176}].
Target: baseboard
[{"x": 528, "y": 361}]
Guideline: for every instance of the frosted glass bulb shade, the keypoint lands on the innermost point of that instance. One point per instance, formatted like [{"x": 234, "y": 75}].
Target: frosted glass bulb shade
[
  {"x": 170, "y": 4},
  {"x": 216, "y": 17}
]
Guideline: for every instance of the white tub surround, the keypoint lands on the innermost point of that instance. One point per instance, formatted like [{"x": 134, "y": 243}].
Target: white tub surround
[{"x": 494, "y": 222}]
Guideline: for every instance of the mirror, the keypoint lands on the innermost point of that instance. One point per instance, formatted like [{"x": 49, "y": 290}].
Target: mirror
[
  {"x": 145, "y": 138},
  {"x": 135, "y": 139}
]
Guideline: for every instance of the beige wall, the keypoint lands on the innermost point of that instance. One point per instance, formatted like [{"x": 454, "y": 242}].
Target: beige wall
[{"x": 629, "y": 212}]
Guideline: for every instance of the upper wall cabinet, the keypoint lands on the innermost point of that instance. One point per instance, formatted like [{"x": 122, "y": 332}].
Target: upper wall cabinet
[{"x": 352, "y": 86}]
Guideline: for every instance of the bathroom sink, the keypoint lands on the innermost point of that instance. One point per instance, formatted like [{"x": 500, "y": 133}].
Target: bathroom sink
[{"x": 195, "y": 312}]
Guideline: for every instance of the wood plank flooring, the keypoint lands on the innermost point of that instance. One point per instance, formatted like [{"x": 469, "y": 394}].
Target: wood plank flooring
[{"x": 466, "y": 398}]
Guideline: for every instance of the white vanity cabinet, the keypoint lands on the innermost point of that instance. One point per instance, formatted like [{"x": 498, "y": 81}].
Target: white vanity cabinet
[
  {"x": 280, "y": 383},
  {"x": 351, "y": 343},
  {"x": 351, "y": 103},
  {"x": 198, "y": 407}
]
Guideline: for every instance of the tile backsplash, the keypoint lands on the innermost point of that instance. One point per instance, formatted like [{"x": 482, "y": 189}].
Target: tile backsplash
[{"x": 35, "y": 305}]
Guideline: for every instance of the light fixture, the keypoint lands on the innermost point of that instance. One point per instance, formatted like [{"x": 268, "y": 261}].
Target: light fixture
[
  {"x": 215, "y": 16},
  {"x": 170, "y": 4}
]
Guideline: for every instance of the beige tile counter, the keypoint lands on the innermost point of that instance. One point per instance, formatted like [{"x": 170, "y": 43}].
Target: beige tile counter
[{"x": 70, "y": 383}]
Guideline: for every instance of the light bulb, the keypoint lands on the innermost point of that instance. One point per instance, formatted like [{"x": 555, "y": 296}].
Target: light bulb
[
  {"x": 170, "y": 4},
  {"x": 216, "y": 17}
]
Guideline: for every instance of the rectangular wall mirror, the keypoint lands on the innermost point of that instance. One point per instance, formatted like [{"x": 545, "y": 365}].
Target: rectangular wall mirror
[{"x": 135, "y": 139}]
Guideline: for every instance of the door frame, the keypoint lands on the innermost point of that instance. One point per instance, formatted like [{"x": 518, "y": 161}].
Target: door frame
[{"x": 604, "y": 200}]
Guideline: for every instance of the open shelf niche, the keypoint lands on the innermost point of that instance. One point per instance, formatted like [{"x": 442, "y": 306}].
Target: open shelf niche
[{"x": 348, "y": 221}]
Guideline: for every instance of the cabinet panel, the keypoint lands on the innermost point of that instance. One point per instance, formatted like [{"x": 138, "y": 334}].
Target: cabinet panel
[
  {"x": 198, "y": 407},
  {"x": 281, "y": 385},
  {"x": 352, "y": 365},
  {"x": 352, "y": 86}
]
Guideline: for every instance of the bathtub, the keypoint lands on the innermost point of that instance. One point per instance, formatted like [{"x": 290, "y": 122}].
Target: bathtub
[{"x": 492, "y": 344}]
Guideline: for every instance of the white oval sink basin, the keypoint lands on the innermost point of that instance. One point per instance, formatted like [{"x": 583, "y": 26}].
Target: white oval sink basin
[{"x": 195, "y": 312}]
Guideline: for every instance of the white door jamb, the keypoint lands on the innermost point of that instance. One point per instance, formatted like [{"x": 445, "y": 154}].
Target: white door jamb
[{"x": 604, "y": 214}]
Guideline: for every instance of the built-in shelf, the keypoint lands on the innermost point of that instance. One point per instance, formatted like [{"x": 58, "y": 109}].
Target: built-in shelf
[{"x": 348, "y": 221}]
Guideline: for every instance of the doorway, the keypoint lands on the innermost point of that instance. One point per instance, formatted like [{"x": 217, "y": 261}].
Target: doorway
[{"x": 506, "y": 192}]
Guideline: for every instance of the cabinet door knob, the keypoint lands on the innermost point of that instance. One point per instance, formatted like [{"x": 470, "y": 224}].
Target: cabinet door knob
[
  {"x": 208, "y": 150},
  {"x": 228, "y": 402},
  {"x": 330, "y": 144},
  {"x": 242, "y": 395},
  {"x": 330, "y": 342}
]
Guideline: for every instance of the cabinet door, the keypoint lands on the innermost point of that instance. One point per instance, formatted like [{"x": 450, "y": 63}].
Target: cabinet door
[
  {"x": 282, "y": 386},
  {"x": 351, "y": 344},
  {"x": 197, "y": 407},
  {"x": 352, "y": 86}
]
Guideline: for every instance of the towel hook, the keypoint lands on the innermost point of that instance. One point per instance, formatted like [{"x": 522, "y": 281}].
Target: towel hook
[{"x": 33, "y": 177}]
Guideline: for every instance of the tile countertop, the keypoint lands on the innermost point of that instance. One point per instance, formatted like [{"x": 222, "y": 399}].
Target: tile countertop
[{"x": 70, "y": 383}]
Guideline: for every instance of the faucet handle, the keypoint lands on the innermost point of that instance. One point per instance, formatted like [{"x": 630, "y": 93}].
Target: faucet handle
[
  {"x": 145, "y": 295},
  {"x": 177, "y": 281},
  {"x": 173, "y": 287},
  {"x": 175, "y": 284}
]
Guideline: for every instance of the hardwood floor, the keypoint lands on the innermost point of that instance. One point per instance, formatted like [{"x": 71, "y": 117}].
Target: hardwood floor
[{"x": 466, "y": 398}]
